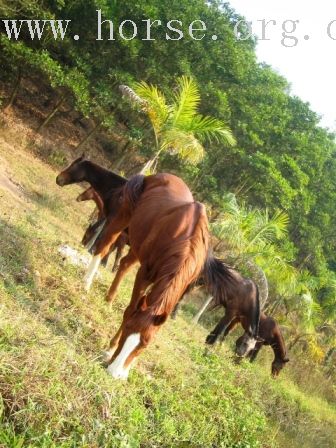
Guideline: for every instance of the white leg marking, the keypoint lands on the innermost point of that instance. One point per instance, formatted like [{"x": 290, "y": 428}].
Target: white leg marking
[
  {"x": 251, "y": 344},
  {"x": 92, "y": 269},
  {"x": 117, "y": 369}
]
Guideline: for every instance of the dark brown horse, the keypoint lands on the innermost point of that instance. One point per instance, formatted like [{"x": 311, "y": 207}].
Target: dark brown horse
[
  {"x": 269, "y": 334},
  {"x": 168, "y": 234},
  {"x": 240, "y": 298},
  {"x": 94, "y": 229},
  {"x": 106, "y": 185}
]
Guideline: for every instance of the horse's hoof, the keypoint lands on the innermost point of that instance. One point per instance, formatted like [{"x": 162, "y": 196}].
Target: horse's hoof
[
  {"x": 118, "y": 373},
  {"x": 106, "y": 356},
  {"x": 109, "y": 298},
  {"x": 206, "y": 352},
  {"x": 211, "y": 339}
]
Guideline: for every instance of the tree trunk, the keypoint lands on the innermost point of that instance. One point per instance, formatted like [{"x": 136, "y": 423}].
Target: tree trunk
[
  {"x": 52, "y": 113},
  {"x": 124, "y": 155},
  {"x": 202, "y": 310},
  {"x": 89, "y": 134},
  {"x": 15, "y": 91}
]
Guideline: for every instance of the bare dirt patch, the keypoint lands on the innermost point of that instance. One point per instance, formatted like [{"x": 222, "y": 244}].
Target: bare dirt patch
[{"x": 8, "y": 184}]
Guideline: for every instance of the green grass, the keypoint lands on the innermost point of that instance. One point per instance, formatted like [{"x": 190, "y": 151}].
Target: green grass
[{"x": 56, "y": 393}]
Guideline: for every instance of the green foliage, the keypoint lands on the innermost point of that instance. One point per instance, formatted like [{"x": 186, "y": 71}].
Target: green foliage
[{"x": 177, "y": 126}]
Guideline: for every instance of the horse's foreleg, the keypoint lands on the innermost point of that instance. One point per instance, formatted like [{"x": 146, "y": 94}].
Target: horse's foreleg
[
  {"x": 109, "y": 234},
  {"x": 253, "y": 354},
  {"x": 223, "y": 326},
  {"x": 125, "y": 264},
  {"x": 118, "y": 369}
]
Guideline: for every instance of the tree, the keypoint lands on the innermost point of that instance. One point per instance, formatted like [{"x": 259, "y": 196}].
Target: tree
[{"x": 178, "y": 127}]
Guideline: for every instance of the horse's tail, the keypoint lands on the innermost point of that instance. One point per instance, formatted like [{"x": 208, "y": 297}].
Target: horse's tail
[
  {"x": 218, "y": 279},
  {"x": 181, "y": 265},
  {"x": 256, "y": 317},
  {"x": 133, "y": 189},
  {"x": 92, "y": 233}
]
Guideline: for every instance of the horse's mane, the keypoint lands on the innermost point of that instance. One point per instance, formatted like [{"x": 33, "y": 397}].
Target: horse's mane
[
  {"x": 103, "y": 179},
  {"x": 133, "y": 189}
]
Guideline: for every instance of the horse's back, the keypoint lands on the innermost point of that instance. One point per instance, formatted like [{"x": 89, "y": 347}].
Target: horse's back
[
  {"x": 162, "y": 208},
  {"x": 168, "y": 186}
]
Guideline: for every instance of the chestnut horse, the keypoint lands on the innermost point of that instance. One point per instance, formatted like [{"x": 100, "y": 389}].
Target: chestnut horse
[
  {"x": 93, "y": 229},
  {"x": 168, "y": 234},
  {"x": 107, "y": 186},
  {"x": 269, "y": 334},
  {"x": 240, "y": 298}
]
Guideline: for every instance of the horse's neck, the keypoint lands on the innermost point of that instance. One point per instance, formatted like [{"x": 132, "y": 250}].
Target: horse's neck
[
  {"x": 279, "y": 347},
  {"x": 102, "y": 180}
]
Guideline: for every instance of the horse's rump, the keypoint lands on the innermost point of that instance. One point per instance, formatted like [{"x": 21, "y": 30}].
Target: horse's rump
[{"x": 173, "y": 265}]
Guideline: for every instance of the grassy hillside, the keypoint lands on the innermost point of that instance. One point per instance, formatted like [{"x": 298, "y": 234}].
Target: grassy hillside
[{"x": 55, "y": 391}]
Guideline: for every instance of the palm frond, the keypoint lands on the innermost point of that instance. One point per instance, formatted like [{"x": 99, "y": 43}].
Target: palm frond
[
  {"x": 186, "y": 102},
  {"x": 209, "y": 128},
  {"x": 156, "y": 106},
  {"x": 270, "y": 229},
  {"x": 185, "y": 145}
]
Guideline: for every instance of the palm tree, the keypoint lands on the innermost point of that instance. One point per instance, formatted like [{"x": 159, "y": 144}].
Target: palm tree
[
  {"x": 178, "y": 127},
  {"x": 249, "y": 238}
]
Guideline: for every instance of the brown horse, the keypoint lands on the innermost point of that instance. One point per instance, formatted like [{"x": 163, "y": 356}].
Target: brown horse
[
  {"x": 240, "y": 298},
  {"x": 91, "y": 195},
  {"x": 169, "y": 235},
  {"x": 269, "y": 334},
  {"x": 94, "y": 229}
]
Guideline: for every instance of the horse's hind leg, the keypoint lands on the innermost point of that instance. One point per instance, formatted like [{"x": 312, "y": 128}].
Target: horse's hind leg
[
  {"x": 139, "y": 289},
  {"x": 223, "y": 326},
  {"x": 125, "y": 264}
]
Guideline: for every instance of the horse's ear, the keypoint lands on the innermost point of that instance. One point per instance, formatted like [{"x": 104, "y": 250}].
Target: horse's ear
[
  {"x": 285, "y": 360},
  {"x": 83, "y": 155}
]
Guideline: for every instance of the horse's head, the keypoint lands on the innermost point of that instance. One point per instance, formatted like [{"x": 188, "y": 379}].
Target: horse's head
[
  {"x": 75, "y": 172},
  {"x": 87, "y": 195},
  {"x": 245, "y": 344},
  {"x": 278, "y": 365}
]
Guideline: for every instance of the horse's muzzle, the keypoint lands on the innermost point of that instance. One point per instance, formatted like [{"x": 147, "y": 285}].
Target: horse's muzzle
[{"x": 60, "y": 180}]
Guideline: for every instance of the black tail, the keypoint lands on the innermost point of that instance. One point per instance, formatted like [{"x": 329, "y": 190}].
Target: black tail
[
  {"x": 255, "y": 323},
  {"x": 219, "y": 280}
]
